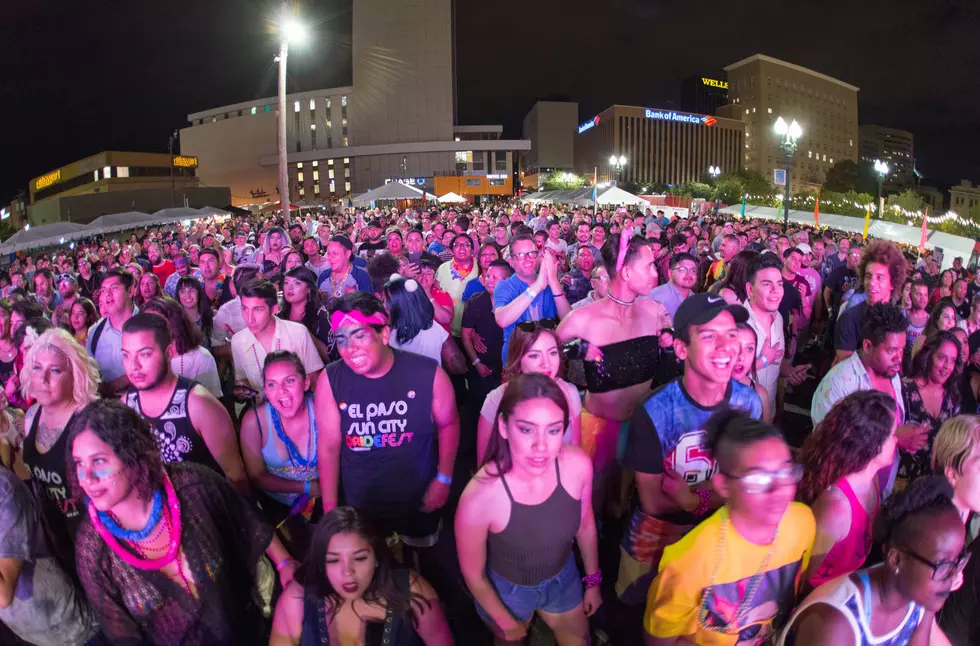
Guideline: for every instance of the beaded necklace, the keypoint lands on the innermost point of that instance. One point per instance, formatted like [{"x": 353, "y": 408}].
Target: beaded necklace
[
  {"x": 298, "y": 464},
  {"x": 152, "y": 522},
  {"x": 219, "y": 290},
  {"x": 753, "y": 587},
  {"x": 255, "y": 353}
]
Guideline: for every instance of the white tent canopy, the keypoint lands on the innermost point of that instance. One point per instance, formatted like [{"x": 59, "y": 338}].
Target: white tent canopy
[
  {"x": 44, "y": 235},
  {"x": 608, "y": 196},
  {"x": 951, "y": 245},
  {"x": 452, "y": 198},
  {"x": 390, "y": 191},
  {"x": 118, "y": 222},
  {"x": 615, "y": 195}
]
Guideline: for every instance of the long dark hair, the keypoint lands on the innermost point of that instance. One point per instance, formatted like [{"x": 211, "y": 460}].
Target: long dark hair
[
  {"x": 520, "y": 344},
  {"x": 409, "y": 307},
  {"x": 186, "y": 337},
  {"x": 382, "y": 589},
  {"x": 922, "y": 360},
  {"x": 127, "y": 434},
  {"x": 845, "y": 441},
  {"x": 932, "y": 325},
  {"x": 738, "y": 274},
  {"x": 519, "y": 390},
  {"x": 204, "y": 307},
  {"x": 308, "y": 278}
]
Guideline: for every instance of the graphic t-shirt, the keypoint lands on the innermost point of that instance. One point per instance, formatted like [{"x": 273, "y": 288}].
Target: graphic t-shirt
[
  {"x": 388, "y": 451},
  {"x": 680, "y": 603},
  {"x": 841, "y": 282}
]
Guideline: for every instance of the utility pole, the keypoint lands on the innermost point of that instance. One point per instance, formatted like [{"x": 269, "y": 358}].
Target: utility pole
[
  {"x": 283, "y": 163},
  {"x": 173, "y": 188}
]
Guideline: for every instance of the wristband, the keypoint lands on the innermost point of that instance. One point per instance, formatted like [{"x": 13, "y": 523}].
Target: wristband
[
  {"x": 704, "y": 499},
  {"x": 531, "y": 292},
  {"x": 283, "y": 563},
  {"x": 592, "y": 580},
  {"x": 306, "y": 487},
  {"x": 765, "y": 362},
  {"x": 443, "y": 479},
  {"x": 558, "y": 295},
  {"x": 476, "y": 362}
]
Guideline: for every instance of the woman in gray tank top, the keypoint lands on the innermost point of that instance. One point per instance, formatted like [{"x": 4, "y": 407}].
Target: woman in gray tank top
[{"x": 521, "y": 515}]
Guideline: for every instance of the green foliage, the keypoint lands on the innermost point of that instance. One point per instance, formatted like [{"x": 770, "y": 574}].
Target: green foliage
[
  {"x": 760, "y": 189},
  {"x": 6, "y": 230},
  {"x": 846, "y": 175},
  {"x": 561, "y": 181},
  {"x": 696, "y": 190}
]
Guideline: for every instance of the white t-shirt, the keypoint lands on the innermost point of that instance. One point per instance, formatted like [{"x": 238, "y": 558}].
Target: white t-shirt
[
  {"x": 427, "y": 343},
  {"x": 198, "y": 364},
  {"x": 560, "y": 245},
  {"x": 492, "y": 403}
]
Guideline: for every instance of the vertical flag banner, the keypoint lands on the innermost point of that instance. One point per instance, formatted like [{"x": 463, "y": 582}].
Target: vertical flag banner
[
  {"x": 925, "y": 232},
  {"x": 595, "y": 190},
  {"x": 743, "y": 204},
  {"x": 816, "y": 212},
  {"x": 867, "y": 222}
]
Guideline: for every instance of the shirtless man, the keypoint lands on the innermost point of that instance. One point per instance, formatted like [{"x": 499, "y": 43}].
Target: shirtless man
[{"x": 619, "y": 334}]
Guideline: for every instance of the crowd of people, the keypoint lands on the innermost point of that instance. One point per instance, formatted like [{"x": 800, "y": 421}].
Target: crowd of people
[{"x": 545, "y": 423}]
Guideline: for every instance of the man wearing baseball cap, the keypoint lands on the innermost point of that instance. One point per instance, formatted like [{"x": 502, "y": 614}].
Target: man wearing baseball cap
[
  {"x": 666, "y": 446},
  {"x": 375, "y": 242}
]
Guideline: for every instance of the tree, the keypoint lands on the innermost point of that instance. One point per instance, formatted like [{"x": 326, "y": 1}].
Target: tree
[
  {"x": 907, "y": 200},
  {"x": 696, "y": 190},
  {"x": 730, "y": 188},
  {"x": 560, "y": 180},
  {"x": 760, "y": 189},
  {"x": 847, "y": 175}
]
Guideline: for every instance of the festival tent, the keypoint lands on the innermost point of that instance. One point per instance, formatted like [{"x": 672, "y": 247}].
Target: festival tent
[
  {"x": 391, "y": 191},
  {"x": 118, "y": 222},
  {"x": 901, "y": 233},
  {"x": 452, "y": 198},
  {"x": 44, "y": 235},
  {"x": 607, "y": 196},
  {"x": 615, "y": 196}
]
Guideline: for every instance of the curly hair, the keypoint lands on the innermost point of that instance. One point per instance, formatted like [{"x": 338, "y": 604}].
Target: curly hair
[
  {"x": 884, "y": 253},
  {"x": 84, "y": 370},
  {"x": 129, "y": 437},
  {"x": 903, "y": 515},
  {"x": 922, "y": 362},
  {"x": 849, "y": 437}
]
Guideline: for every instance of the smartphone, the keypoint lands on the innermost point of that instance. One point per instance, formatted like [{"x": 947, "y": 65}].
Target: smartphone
[{"x": 414, "y": 257}]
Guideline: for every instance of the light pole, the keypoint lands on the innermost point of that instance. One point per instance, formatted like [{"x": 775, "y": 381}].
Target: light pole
[
  {"x": 289, "y": 30},
  {"x": 715, "y": 171},
  {"x": 173, "y": 190},
  {"x": 790, "y": 135},
  {"x": 618, "y": 164},
  {"x": 881, "y": 168}
]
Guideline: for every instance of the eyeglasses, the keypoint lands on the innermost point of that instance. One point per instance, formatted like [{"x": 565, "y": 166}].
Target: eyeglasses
[
  {"x": 531, "y": 326},
  {"x": 532, "y": 255},
  {"x": 765, "y": 481},
  {"x": 942, "y": 570}
]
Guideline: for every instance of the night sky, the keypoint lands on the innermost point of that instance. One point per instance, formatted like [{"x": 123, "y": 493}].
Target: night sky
[{"x": 83, "y": 76}]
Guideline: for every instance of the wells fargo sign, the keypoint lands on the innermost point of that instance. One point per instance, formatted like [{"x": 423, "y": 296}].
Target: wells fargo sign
[{"x": 713, "y": 83}]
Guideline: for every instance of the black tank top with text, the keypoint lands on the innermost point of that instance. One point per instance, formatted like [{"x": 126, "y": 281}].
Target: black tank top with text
[{"x": 173, "y": 430}]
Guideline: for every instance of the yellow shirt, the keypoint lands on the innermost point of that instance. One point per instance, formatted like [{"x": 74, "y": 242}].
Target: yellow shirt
[
  {"x": 676, "y": 595},
  {"x": 248, "y": 354}
]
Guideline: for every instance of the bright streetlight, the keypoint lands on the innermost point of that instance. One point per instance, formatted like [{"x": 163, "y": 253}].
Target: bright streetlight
[
  {"x": 715, "y": 171},
  {"x": 290, "y": 30},
  {"x": 881, "y": 168},
  {"x": 618, "y": 163},
  {"x": 790, "y": 135}
]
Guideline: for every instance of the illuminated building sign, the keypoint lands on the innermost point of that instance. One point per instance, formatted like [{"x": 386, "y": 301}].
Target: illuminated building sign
[
  {"x": 588, "y": 124},
  {"x": 713, "y": 83},
  {"x": 670, "y": 115},
  {"x": 47, "y": 180},
  {"x": 410, "y": 181},
  {"x": 185, "y": 162}
]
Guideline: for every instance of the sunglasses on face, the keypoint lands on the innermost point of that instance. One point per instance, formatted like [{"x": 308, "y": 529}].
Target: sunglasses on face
[
  {"x": 766, "y": 481},
  {"x": 531, "y": 326}
]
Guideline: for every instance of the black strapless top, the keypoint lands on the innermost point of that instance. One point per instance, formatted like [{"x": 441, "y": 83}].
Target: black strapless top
[{"x": 623, "y": 364}]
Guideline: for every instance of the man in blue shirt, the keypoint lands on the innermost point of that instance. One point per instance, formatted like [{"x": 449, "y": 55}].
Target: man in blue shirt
[
  {"x": 683, "y": 274},
  {"x": 532, "y": 293}
]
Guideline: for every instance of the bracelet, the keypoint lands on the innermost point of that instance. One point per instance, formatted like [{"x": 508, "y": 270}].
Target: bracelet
[
  {"x": 306, "y": 487},
  {"x": 765, "y": 362},
  {"x": 443, "y": 479},
  {"x": 704, "y": 499},
  {"x": 593, "y": 579},
  {"x": 531, "y": 292},
  {"x": 476, "y": 361},
  {"x": 283, "y": 563},
  {"x": 558, "y": 295}
]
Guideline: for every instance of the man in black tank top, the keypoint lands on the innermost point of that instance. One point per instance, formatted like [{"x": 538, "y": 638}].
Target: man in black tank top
[{"x": 189, "y": 424}]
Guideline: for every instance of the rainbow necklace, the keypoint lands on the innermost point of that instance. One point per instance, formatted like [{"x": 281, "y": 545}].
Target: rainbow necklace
[{"x": 459, "y": 272}]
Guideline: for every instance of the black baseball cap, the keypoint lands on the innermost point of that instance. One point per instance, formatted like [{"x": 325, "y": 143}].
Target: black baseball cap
[
  {"x": 698, "y": 309},
  {"x": 374, "y": 224},
  {"x": 344, "y": 241}
]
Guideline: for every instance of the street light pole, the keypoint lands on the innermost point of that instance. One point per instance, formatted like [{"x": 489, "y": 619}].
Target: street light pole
[
  {"x": 881, "y": 168},
  {"x": 618, "y": 164},
  {"x": 715, "y": 171},
  {"x": 791, "y": 134},
  {"x": 283, "y": 163},
  {"x": 173, "y": 189}
]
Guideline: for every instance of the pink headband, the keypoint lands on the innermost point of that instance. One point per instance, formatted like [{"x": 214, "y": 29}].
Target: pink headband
[
  {"x": 339, "y": 319},
  {"x": 624, "y": 244}
]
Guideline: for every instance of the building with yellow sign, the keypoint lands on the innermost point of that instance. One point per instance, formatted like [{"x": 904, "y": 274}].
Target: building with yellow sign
[
  {"x": 704, "y": 94},
  {"x": 117, "y": 182}
]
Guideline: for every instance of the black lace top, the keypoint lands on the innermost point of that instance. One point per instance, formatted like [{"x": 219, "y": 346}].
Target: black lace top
[{"x": 623, "y": 364}]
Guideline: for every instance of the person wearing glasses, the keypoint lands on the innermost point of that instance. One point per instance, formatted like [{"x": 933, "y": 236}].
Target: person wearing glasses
[
  {"x": 666, "y": 445},
  {"x": 532, "y": 293},
  {"x": 894, "y": 603},
  {"x": 841, "y": 460},
  {"x": 681, "y": 278},
  {"x": 455, "y": 275},
  {"x": 734, "y": 578}
]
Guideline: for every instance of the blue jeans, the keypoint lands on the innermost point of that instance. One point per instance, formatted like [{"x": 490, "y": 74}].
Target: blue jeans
[{"x": 560, "y": 593}]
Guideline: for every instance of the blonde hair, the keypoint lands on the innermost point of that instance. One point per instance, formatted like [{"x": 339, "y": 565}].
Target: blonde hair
[
  {"x": 956, "y": 440},
  {"x": 84, "y": 371}
]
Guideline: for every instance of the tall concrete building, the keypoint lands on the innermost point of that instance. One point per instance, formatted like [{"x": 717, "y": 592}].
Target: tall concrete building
[
  {"x": 964, "y": 197},
  {"x": 762, "y": 88},
  {"x": 550, "y": 127},
  {"x": 395, "y": 123},
  {"x": 704, "y": 94},
  {"x": 894, "y": 147}
]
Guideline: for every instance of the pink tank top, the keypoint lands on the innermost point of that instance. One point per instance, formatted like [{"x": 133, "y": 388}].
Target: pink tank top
[{"x": 848, "y": 555}]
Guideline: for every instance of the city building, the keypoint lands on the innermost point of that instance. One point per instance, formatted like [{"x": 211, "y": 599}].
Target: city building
[
  {"x": 762, "y": 89},
  {"x": 395, "y": 123},
  {"x": 963, "y": 197},
  {"x": 894, "y": 147},
  {"x": 550, "y": 127},
  {"x": 704, "y": 94},
  {"x": 660, "y": 146},
  {"x": 14, "y": 213},
  {"x": 933, "y": 198},
  {"x": 117, "y": 182}
]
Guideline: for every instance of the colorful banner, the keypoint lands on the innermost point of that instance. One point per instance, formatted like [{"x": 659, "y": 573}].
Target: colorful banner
[
  {"x": 816, "y": 212},
  {"x": 867, "y": 222},
  {"x": 925, "y": 231}
]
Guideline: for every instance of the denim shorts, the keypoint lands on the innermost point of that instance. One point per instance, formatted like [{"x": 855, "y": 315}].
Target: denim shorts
[{"x": 560, "y": 593}]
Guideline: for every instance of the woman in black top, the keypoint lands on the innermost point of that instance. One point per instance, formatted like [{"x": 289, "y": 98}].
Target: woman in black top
[{"x": 348, "y": 592}]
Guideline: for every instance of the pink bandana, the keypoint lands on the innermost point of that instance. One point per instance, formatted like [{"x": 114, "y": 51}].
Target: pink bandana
[{"x": 339, "y": 319}]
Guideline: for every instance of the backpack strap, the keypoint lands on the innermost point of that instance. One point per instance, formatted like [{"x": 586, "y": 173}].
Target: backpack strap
[{"x": 97, "y": 334}]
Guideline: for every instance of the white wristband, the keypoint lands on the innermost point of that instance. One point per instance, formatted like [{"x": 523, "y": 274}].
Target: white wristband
[{"x": 531, "y": 292}]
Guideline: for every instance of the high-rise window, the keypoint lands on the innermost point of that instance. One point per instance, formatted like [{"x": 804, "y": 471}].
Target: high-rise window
[
  {"x": 312, "y": 104},
  {"x": 296, "y": 106}
]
